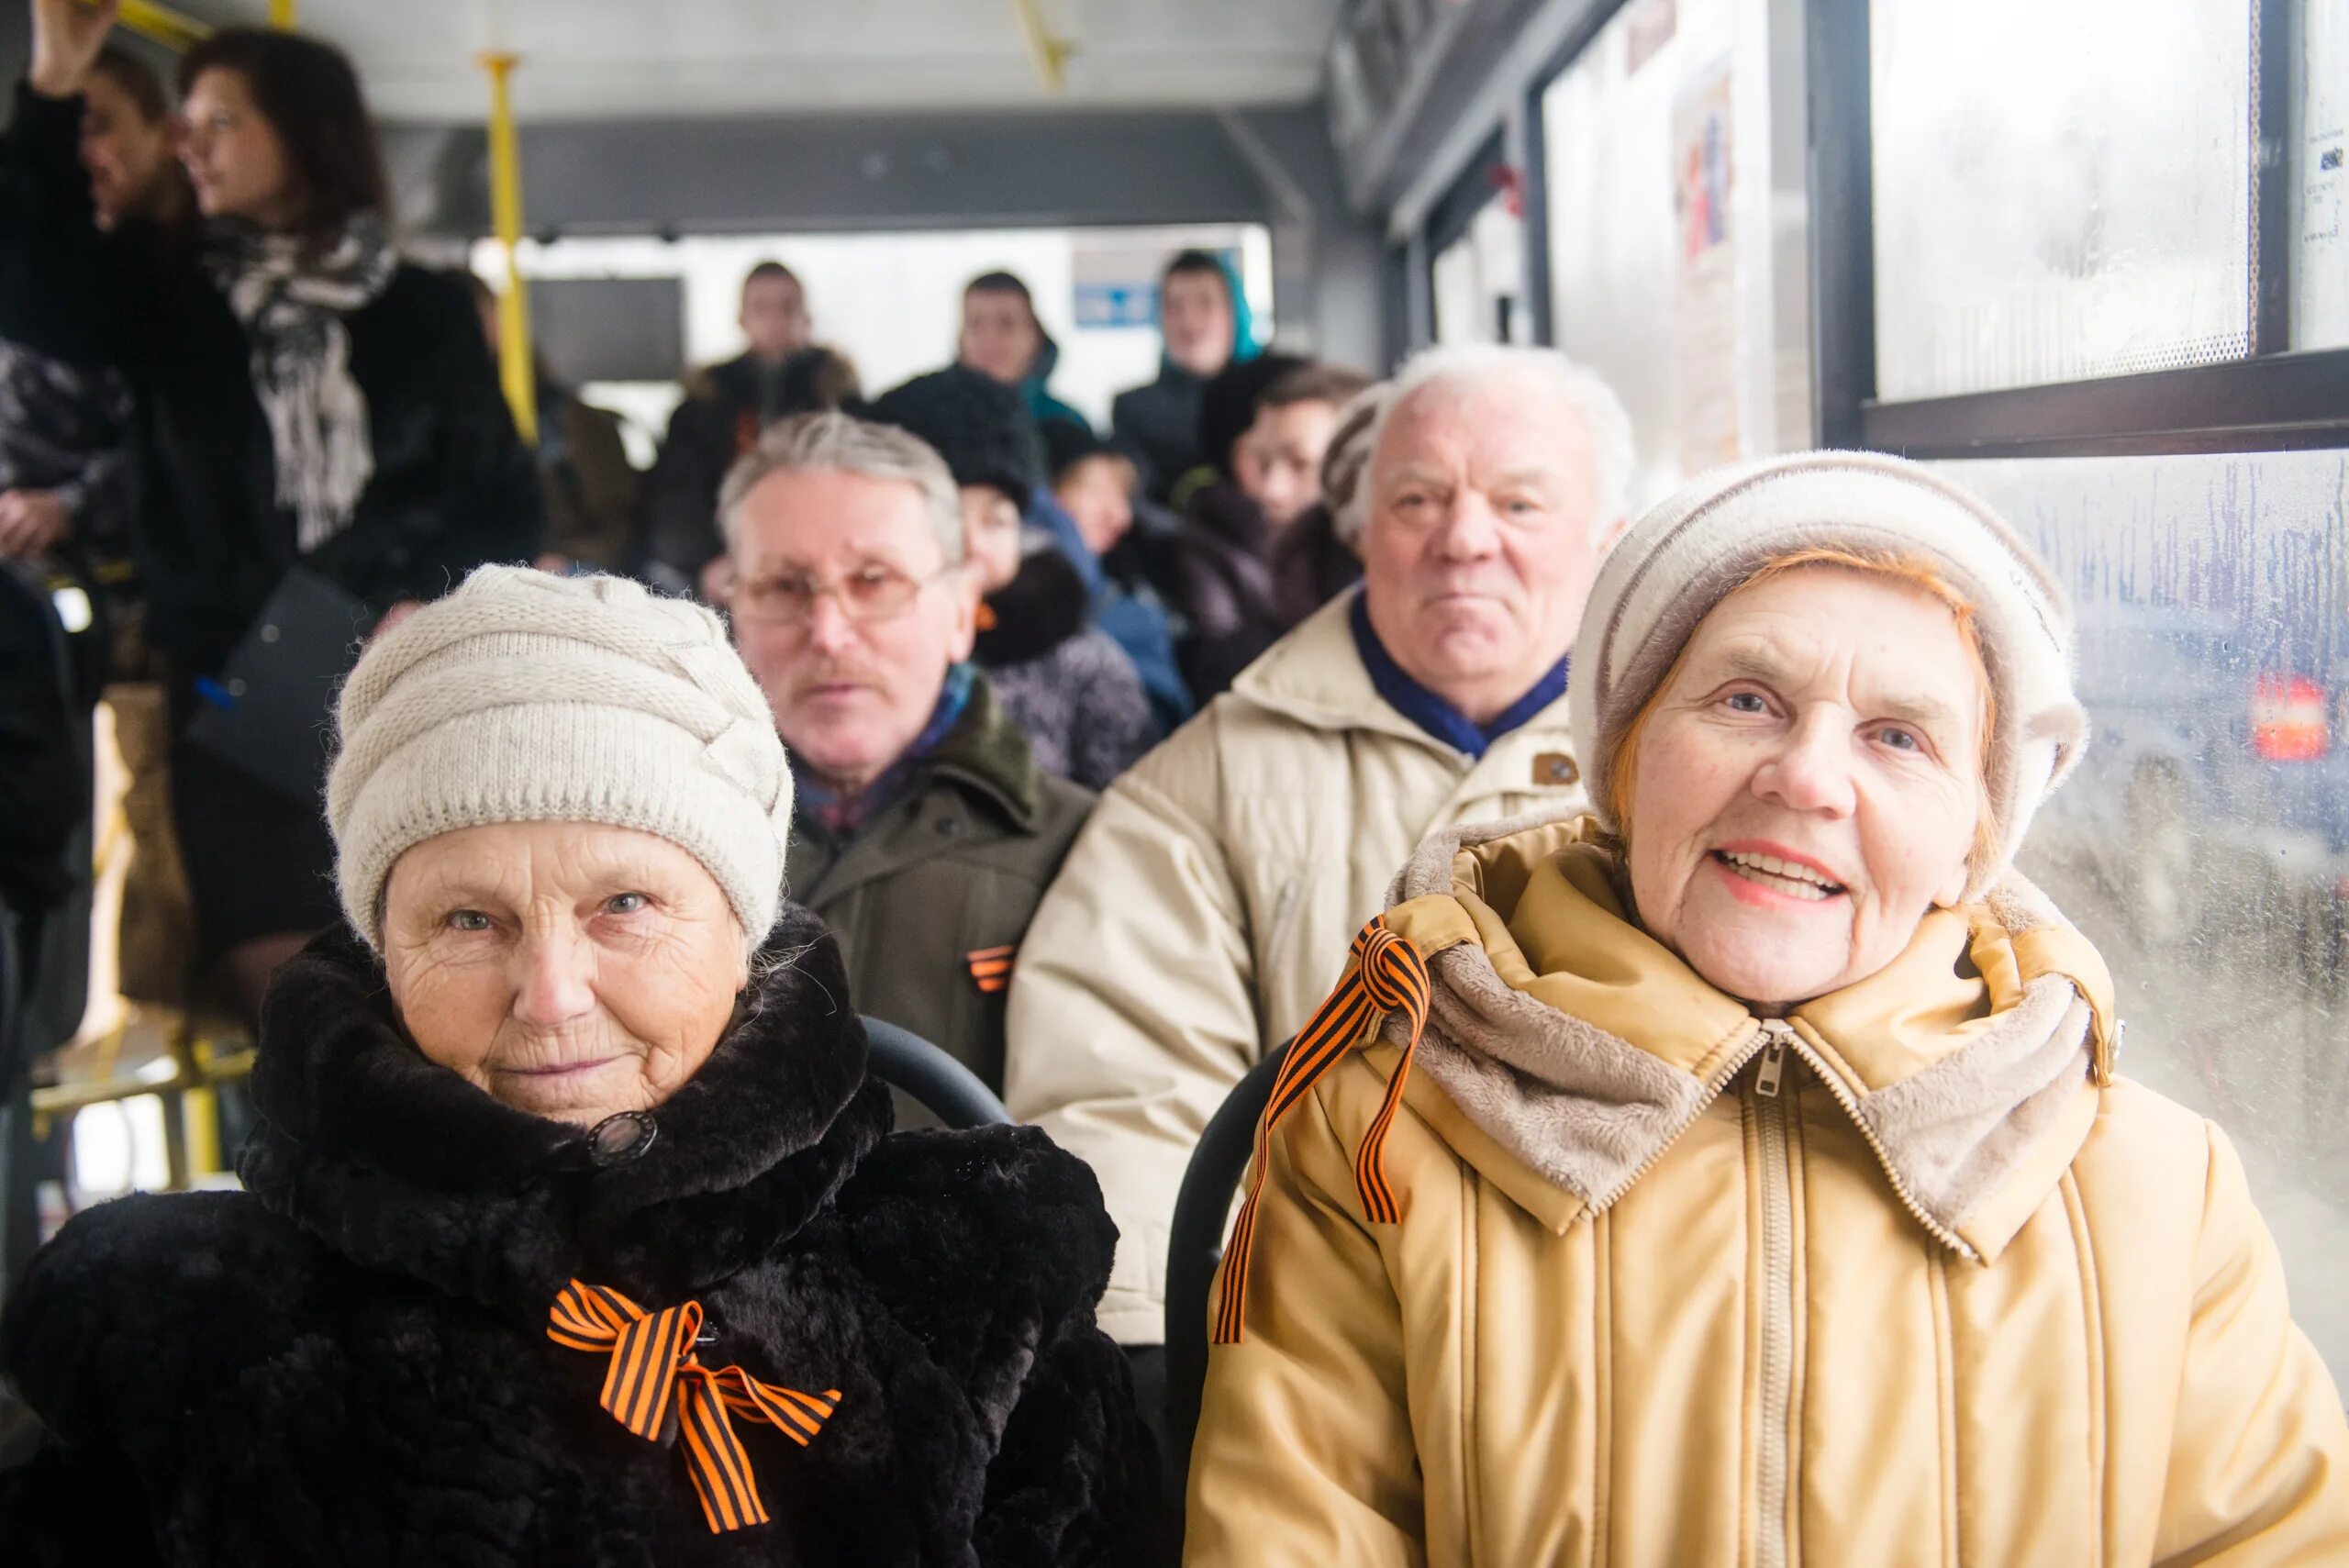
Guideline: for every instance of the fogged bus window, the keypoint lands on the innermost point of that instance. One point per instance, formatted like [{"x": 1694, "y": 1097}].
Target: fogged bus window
[
  {"x": 2204, "y": 842},
  {"x": 2063, "y": 189}
]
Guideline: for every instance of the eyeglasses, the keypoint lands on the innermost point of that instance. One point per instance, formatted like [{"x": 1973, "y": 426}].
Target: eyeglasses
[{"x": 868, "y": 594}]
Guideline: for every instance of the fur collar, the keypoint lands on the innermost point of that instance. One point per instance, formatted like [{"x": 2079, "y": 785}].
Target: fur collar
[
  {"x": 1034, "y": 613},
  {"x": 1579, "y": 1048},
  {"x": 403, "y": 1166}
]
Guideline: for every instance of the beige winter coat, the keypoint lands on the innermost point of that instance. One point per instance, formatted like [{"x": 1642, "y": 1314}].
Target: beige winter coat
[
  {"x": 1207, "y": 907},
  {"x": 1907, "y": 1278}
]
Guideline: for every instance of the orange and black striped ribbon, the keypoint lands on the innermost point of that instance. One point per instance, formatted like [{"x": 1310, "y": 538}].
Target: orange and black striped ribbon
[
  {"x": 653, "y": 1366},
  {"x": 1385, "y": 974},
  {"x": 991, "y": 967}
]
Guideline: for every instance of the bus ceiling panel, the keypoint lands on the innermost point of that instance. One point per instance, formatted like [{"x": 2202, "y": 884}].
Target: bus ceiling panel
[
  {"x": 629, "y": 59},
  {"x": 974, "y": 170},
  {"x": 1414, "y": 87}
]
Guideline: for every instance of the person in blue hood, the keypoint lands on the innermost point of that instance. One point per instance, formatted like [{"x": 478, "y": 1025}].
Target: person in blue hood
[
  {"x": 1002, "y": 338},
  {"x": 1203, "y": 316}
]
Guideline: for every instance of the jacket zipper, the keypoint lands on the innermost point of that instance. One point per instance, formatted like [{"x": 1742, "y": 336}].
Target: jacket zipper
[
  {"x": 1771, "y": 1112},
  {"x": 1834, "y": 1086}
]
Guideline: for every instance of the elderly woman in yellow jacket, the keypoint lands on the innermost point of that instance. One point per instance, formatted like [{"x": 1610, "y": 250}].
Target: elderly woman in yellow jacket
[{"x": 1739, "y": 1174}]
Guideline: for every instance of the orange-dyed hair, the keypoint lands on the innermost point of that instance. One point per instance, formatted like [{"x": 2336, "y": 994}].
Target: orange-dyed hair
[{"x": 1907, "y": 569}]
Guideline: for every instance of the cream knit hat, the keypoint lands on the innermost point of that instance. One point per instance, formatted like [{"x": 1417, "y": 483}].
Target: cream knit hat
[
  {"x": 1699, "y": 546},
  {"x": 525, "y": 697}
]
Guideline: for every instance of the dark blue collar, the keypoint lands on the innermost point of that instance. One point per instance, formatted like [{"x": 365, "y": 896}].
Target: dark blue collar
[{"x": 1431, "y": 712}]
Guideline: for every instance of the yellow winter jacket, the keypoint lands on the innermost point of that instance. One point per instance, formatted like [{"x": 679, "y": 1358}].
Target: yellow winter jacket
[{"x": 1906, "y": 1278}]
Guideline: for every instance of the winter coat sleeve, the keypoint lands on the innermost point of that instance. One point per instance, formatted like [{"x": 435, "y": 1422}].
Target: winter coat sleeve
[
  {"x": 1304, "y": 1456},
  {"x": 1110, "y": 727},
  {"x": 62, "y": 289},
  {"x": 1071, "y": 1482},
  {"x": 2259, "y": 1463},
  {"x": 1133, "y": 1011},
  {"x": 481, "y": 502}
]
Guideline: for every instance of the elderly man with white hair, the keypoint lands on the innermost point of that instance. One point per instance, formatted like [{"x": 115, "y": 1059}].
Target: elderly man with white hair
[{"x": 1207, "y": 905}]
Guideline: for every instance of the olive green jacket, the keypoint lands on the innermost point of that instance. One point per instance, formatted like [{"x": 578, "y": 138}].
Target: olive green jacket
[{"x": 930, "y": 897}]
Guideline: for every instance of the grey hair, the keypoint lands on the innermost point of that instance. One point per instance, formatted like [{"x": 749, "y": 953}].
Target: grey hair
[
  {"x": 1364, "y": 423},
  {"x": 848, "y": 445}
]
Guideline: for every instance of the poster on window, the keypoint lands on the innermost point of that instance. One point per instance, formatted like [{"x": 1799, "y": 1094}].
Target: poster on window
[{"x": 1704, "y": 328}]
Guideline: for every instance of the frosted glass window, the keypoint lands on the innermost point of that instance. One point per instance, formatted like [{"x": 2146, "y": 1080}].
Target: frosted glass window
[
  {"x": 2203, "y": 844},
  {"x": 1656, "y": 142},
  {"x": 1479, "y": 280},
  {"x": 2321, "y": 179},
  {"x": 2063, "y": 189}
]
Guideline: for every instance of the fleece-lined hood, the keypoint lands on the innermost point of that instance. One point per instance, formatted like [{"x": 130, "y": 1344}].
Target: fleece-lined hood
[{"x": 1571, "y": 1048}]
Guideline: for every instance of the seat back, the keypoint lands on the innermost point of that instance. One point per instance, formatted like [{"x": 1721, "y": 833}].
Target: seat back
[
  {"x": 1195, "y": 1246},
  {"x": 924, "y": 1072}
]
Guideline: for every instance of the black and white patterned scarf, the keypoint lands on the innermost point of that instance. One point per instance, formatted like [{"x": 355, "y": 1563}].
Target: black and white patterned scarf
[{"x": 291, "y": 301}]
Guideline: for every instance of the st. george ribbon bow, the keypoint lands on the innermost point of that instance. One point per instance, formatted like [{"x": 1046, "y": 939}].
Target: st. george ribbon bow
[{"x": 652, "y": 1360}]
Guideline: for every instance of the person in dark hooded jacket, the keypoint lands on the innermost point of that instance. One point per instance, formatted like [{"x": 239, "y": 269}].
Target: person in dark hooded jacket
[
  {"x": 1059, "y": 677},
  {"x": 1002, "y": 338},
  {"x": 779, "y": 374},
  {"x": 1200, "y": 315},
  {"x": 581, "y": 1244}
]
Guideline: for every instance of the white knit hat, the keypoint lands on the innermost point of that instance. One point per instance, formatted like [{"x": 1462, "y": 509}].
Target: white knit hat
[
  {"x": 526, "y": 698},
  {"x": 1700, "y": 546}
]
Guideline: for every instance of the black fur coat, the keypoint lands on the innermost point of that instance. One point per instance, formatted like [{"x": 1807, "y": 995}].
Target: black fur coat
[{"x": 348, "y": 1362}]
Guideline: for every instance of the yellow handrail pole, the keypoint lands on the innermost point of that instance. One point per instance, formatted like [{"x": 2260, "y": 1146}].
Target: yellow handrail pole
[
  {"x": 1050, "y": 54},
  {"x": 164, "y": 26},
  {"x": 505, "y": 212},
  {"x": 284, "y": 15}
]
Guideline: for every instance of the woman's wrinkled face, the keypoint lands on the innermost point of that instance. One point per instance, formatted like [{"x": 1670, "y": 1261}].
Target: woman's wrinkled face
[
  {"x": 234, "y": 156},
  {"x": 1808, "y": 784},
  {"x": 572, "y": 969}
]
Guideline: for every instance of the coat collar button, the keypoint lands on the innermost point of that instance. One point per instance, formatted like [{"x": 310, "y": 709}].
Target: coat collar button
[{"x": 616, "y": 1140}]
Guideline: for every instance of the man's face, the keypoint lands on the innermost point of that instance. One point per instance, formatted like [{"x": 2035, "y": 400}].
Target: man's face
[
  {"x": 1288, "y": 443},
  {"x": 1194, "y": 314},
  {"x": 124, "y": 153},
  {"x": 849, "y": 693},
  {"x": 774, "y": 317},
  {"x": 1484, "y": 537}
]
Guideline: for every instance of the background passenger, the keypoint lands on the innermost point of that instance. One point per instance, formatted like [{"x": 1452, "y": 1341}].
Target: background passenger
[
  {"x": 1001, "y": 338},
  {"x": 581, "y": 1068},
  {"x": 64, "y": 461},
  {"x": 1264, "y": 423},
  {"x": 926, "y": 831},
  {"x": 1210, "y": 899},
  {"x": 302, "y": 398},
  {"x": 1774, "y": 1065},
  {"x": 725, "y": 407},
  {"x": 591, "y": 488},
  {"x": 1313, "y": 563},
  {"x": 1199, "y": 316},
  {"x": 1069, "y": 688}
]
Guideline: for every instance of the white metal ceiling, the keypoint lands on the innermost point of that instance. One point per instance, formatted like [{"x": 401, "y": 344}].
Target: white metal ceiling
[{"x": 634, "y": 59}]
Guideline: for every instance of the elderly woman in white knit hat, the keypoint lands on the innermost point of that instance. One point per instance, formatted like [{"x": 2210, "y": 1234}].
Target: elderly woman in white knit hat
[
  {"x": 571, "y": 1233},
  {"x": 1740, "y": 1175}
]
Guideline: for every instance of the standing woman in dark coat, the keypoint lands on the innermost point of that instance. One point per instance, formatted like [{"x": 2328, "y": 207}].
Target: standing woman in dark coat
[{"x": 301, "y": 397}]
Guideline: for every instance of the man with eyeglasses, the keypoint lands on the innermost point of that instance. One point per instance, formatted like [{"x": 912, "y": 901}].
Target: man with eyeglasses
[{"x": 924, "y": 833}]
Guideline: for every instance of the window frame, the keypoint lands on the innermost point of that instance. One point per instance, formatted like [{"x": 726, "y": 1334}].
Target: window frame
[
  {"x": 2277, "y": 399},
  {"x": 1449, "y": 219}
]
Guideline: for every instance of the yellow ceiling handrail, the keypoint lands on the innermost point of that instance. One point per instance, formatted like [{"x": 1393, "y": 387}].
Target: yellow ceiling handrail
[
  {"x": 1050, "y": 54},
  {"x": 176, "y": 31},
  {"x": 284, "y": 14},
  {"x": 514, "y": 359}
]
